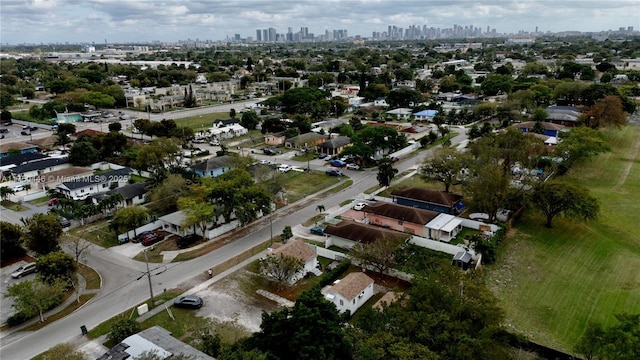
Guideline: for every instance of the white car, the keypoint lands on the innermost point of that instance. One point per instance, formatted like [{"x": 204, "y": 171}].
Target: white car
[
  {"x": 24, "y": 270},
  {"x": 353, "y": 166},
  {"x": 359, "y": 206},
  {"x": 284, "y": 168},
  {"x": 264, "y": 162}
]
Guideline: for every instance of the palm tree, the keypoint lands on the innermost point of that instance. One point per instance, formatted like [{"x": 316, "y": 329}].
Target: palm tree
[{"x": 5, "y": 192}]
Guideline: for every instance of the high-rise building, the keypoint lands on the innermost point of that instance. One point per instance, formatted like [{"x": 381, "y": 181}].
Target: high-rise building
[
  {"x": 265, "y": 35},
  {"x": 259, "y": 35},
  {"x": 273, "y": 35}
]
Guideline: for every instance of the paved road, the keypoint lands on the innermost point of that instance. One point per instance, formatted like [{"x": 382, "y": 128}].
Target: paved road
[{"x": 121, "y": 289}]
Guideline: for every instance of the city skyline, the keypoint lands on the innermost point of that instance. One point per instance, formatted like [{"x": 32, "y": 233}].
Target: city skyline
[{"x": 121, "y": 21}]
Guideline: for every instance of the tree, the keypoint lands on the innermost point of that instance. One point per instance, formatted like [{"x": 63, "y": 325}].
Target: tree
[
  {"x": 5, "y": 192},
  {"x": 404, "y": 97},
  {"x": 386, "y": 172},
  {"x": 618, "y": 342},
  {"x": 33, "y": 297},
  {"x": 164, "y": 197},
  {"x": 129, "y": 218},
  {"x": 161, "y": 153},
  {"x": 67, "y": 128},
  {"x": 581, "y": 143},
  {"x": 77, "y": 246},
  {"x": 539, "y": 114},
  {"x": 495, "y": 84},
  {"x": 115, "y": 126},
  {"x": 198, "y": 212},
  {"x": 553, "y": 198},
  {"x": 121, "y": 329},
  {"x": 55, "y": 266},
  {"x": 10, "y": 241},
  {"x": 445, "y": 166},
  {"x": 65, "y": 351},
  {"x": 249, "y": 120},
  {"x": 83, "y": 154},
  {"x": 381, "y": 254},
  {"x": 286, "y": 234},
  {"x": 313, "y": 329},
  {"x": 606, "y": 112},
  {"x": 42, "y": 232},
  {"x": 281, "y": 269}
]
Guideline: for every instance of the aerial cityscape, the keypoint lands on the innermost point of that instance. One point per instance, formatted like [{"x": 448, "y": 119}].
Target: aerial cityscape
[{"x": 319, "y": 180}]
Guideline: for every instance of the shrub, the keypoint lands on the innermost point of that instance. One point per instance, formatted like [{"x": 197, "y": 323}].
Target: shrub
[
  {"x": 331, "y": 276},
  {"x": 18, "y": 318}
]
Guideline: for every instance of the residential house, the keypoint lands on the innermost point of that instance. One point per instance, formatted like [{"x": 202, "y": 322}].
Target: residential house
[
  {"x": 173, "y": 223},
  {"x": 51, "y": 180},
  {"x": 327, "y": 125},
  {"x": 351, "y": 292},
  {"x": 214, "y": 166},
  {"x": 45, "y": 143},
  {"x": 132, "y": 194},
  {"x": 220, "y": 123},
  {"x": 440, "y": 201},
  {"x": 425, "y": 115},
  {"x": 550, "y": 129},
  {"x": 400, "y": 113},
  {"x": 81, "y": 188},
  {"x": 12, "y": 161},
  {"x": 227, "y": 132},
  {"x": 308, "y": 140},
  {"x": 563, "y": 115},
  {"x": 347, "y": 234},
  {"x": 334, "y": 146},
  {"x": 300, "y": 250},
  {"x": 399, "y": 217},
  {"x": 156, "y": 340},
  {"x": 381, "y": 101},
  {"x": 18, "y": 147},
  {"x": 274, "y": 139},
  {"x": 34, "y": 169}
]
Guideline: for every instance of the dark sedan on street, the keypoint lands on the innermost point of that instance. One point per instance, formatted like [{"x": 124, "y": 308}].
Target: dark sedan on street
[{"x": 188, "y": 302}]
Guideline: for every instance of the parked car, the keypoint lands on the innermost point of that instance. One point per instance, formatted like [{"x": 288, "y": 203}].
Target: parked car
[
  {"x": 187, "y": 240},
  {"x": 264, "y": 162},
  {"x": 337, "y": 163},
  {"x": 151, "y": 239},
  {"x": 214, "y": 143},
  {"x": 284, "y": 168},
  {"x": 189, "y": 302},
  {"x": 353, "y": 166},
  {"x": 318, "y": 230},
  {"x": 334, "y": 172},
  {"x": 52, "y": 202},
  {"x": 24, "y": 132},
  {"x": 4, "y": 131},
  {"x": 359, "y": 206},
  {"x": 23, "y": 270},
  {"x": 65, "y": 222},
  {"x": 141, "y": 235},
  {"x": 322, "y": 156},
  {"x": 269, "y": 151}
]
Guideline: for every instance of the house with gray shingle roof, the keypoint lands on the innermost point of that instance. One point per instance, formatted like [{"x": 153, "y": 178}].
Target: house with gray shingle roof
[
  {"x": 333, "y": 146},
  {"x": 214, "y": 166}
]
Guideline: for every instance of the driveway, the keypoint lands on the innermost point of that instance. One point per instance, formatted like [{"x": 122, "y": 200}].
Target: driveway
[{"x": 6, "y": 310}]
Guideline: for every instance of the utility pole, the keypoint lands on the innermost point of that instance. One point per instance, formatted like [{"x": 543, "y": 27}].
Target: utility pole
[{"x": 146, "y": 260}]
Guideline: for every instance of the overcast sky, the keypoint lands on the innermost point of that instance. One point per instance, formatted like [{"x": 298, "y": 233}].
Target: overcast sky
[{"x": 51, "y": 21}]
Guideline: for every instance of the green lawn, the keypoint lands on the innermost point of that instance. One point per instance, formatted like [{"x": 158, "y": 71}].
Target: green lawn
[
  {"x": 39, "y": 201},
  {"x": 13, "y": 206},
  {"x": 297, "y": 185},
  {"x": 552, "y": 282},
  {"x": 201, "y": 122}
]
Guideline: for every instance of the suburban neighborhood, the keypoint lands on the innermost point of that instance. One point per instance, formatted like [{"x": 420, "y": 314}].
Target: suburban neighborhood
[{"x": 343, "y": 198}]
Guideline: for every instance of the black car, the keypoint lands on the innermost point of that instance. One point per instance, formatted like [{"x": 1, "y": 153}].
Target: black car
[
  {"x": 189, "y": 302},
  {"x": 333, "y": 172},
  {"x": 187, "y": 240},
  {"x": 269, "y": 151}
]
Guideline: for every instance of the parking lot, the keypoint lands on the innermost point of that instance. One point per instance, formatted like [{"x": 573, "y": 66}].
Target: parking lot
[{"x": 6, "y": 310}]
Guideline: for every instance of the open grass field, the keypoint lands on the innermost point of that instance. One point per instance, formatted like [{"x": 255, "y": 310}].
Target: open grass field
[{"x": 552, "y": 282}]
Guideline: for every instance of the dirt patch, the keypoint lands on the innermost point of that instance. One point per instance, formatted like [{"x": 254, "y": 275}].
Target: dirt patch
[{"x": 226, "y": 301}]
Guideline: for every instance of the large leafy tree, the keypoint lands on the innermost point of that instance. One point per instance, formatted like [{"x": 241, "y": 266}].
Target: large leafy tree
[
  {"x": 618, "y": 342},
  {"x": 581, "y": 143},
  {"x": 164, "y": 197},
  {"x": 65, "y": 351},
  {"x": 386, "y": 172},
  {"x": 553, "y": 198},
  {"x": 10, "y": 241},
  {"x": 83, "y": 153},
  {"x": 313, "y": 329},
  {"x": 280, "y": 269},
  {"x": 249, "y": 120},
  {"x": 606, "y": 112},
  {"x": 34, "y": 297},
  {"x": 446, "y": 315},
  {"x": 381, "y": 254},
  {"x": 198, "y": 213},
  {"x": 55, "y": 266},
  {"x": 129, "y": 218},
  {"x": 445, "y": 166},
  {"x": 404, "y": 97},
  {"x": 42, "y": 232},
  {"x": 301, "y": 100}
]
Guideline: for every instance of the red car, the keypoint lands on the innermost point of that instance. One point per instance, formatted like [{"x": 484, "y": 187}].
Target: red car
[
  {"x": 53, "y": 202},
  {"x": 150, "y": 239}
]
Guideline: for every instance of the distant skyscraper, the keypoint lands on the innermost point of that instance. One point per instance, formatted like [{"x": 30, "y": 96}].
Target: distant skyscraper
[
  {"x": 259, "y": 35},
  {"x": 273, "y": 35},
  {"x": 536, "y": 29},
  {"x": 265, "y": 35}
]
